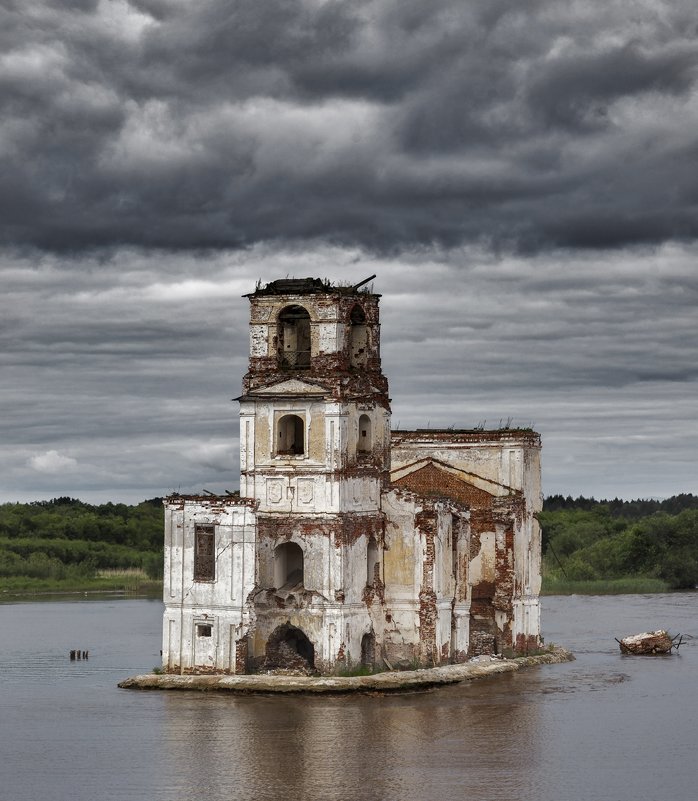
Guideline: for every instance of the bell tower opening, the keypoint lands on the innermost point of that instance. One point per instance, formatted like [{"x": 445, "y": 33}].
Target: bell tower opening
[
  {"x": 294, "y": 338},
  {"x": 358, "y": 337}
]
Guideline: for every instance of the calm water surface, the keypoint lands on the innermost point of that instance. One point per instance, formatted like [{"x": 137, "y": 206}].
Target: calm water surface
[{"x": 603, "y": 728}]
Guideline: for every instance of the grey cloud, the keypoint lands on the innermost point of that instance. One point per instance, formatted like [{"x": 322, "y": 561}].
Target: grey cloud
[
  {"x": 521, "y": 176},
  {"x": 127, "y": 364},
  {"x": 576, "y": 90},
  {"x": 377, "y": 124}
]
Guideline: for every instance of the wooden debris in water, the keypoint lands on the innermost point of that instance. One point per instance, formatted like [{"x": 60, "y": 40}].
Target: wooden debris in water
[{"x": 647, "y": 643}]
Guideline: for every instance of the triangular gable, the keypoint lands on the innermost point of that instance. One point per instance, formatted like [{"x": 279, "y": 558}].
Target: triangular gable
[
  {"x": 432, "y": 481},
  {"x": 291, "y": 386},
  {"x": 493, "y": 488}
]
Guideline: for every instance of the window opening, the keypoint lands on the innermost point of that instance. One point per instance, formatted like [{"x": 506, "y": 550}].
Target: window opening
[
  {"x": 372, "y": 562},
  {"x": 291, "y": 435},
  {"x": 294, "y": 338},
  {"x": 204, "y": 630},
  {"x": 364, "y": 444},
  {"x": 288, "y": 566},
  {"x": 358, "y": 337},
  {"x": 204, "y": 553}
]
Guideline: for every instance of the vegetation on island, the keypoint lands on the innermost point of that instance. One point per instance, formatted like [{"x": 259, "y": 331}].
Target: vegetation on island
[
  {"x": 66, "y": 545},
  {"x": 603, "y": 547}
]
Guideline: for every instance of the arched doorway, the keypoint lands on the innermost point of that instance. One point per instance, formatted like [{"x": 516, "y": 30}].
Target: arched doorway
[
  {"x": 289, "y": 648},
  {"x": 368, "y": 650}
]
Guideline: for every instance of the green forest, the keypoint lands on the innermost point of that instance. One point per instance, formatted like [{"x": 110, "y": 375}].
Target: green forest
[
  {"x": 589, "y": 546},
  {"x": 601, "y": 547},
  {"x": 65, "y": 544}
]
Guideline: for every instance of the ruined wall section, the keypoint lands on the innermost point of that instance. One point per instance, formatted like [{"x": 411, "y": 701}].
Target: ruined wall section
[
  {"x": 506, "y": 550},
  {"x": 424, "y": 610},
  {"x": 328, "y": 602},
  {"x": 491, "y": 558},
  {"x": 205, "y": 622}
]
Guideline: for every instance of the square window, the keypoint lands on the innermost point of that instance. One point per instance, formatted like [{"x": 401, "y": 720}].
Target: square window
[{"x": 204, "y": 630}]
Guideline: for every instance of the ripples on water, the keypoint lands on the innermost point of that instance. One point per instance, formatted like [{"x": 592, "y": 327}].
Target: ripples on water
[{"x": 603, "y": 728}]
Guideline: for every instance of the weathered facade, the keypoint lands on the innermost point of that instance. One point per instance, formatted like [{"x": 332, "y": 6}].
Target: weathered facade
[{"x": 349, "y": 543}]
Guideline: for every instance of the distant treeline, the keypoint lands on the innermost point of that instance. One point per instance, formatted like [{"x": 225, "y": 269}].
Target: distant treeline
[
  {"x": 631, "y": 510},
  {"x": 586, "y": 540},
  {"x": 68, "y": 540}
]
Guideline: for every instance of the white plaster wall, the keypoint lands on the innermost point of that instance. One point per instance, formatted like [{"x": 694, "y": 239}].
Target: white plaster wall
[
  {"x": 527, "y": 616},
  {"x": 220, "y": 603},
  {"x": 513, "y": 463},
  {"x": 330, "y": 337},
  {"x": 359, "y": 493}
]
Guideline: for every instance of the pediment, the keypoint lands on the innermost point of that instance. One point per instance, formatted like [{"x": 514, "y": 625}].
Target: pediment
[
  {"x": 493, "y": 488},
  {"x": 291, "y": 386}
]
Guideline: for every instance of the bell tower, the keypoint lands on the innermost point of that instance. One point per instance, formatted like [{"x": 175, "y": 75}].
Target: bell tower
[{"x": 314, "y": 456}]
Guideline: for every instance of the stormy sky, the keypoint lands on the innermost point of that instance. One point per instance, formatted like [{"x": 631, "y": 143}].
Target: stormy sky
[{"x": 521, "y": 175}]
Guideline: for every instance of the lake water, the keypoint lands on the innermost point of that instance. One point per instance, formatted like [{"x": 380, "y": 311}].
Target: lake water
[{"x": 603, "y": 728}]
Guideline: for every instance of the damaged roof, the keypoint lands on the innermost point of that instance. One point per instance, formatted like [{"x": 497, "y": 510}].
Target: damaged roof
[{"x": 307, "y": 286}]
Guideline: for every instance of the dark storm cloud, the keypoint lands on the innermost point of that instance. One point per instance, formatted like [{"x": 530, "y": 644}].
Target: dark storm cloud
[
  {"x": 521, "y": 175},
  {"x": 380, "y": 123}
]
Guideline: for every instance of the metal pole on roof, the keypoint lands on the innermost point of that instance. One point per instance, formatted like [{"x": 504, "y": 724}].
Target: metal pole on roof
[{"x": 361, "y": 283}]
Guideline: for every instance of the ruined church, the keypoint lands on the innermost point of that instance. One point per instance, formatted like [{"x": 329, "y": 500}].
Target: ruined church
[{"x": 349, "y": 543}]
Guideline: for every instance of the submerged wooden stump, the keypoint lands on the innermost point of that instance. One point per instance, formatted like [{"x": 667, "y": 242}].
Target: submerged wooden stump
[{"x": 649, "y": 642}]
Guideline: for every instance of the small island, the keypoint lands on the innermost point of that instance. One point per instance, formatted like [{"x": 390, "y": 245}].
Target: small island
[{"x": 385, "y": 682}]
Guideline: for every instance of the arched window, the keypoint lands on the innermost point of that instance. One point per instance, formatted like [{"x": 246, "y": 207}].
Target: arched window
[
  {"x": 358, "y": 353},
  {"x": 364, "y": 445},
  {"x": 372, "y": 562},
  {"x": 290, "y": 439},
  {"x": 288, "y": 565},
  {"x": 294, "y": 338}
]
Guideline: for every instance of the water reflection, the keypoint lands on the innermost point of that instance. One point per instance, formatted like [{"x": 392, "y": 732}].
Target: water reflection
[
  {"x": 603, "y": 728},
  {"x": 448, "y": 744}
]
